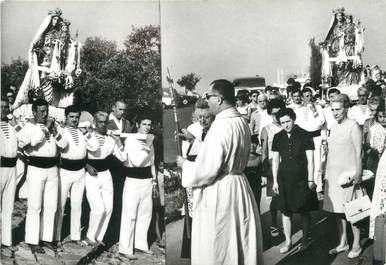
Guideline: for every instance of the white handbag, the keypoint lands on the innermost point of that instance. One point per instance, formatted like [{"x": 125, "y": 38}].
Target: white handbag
[{"x": 358, "y": 208}]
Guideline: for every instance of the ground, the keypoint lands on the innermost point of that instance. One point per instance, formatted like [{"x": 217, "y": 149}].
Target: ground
[
  {"x": 323, "y": 237},
  {"x": 74, "y": 254}
]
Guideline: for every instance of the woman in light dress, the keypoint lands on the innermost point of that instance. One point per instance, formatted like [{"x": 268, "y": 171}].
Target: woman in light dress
[{"x": 344, "y": 155}]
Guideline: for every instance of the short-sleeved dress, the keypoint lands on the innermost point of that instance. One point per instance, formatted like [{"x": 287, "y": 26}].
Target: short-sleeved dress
[
  {"x": 341, "y": 158},
  {"x": 294, "y": 194}
]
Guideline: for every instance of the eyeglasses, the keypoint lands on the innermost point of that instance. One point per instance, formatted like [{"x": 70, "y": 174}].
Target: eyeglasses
[{"x": 208, "y": 96}]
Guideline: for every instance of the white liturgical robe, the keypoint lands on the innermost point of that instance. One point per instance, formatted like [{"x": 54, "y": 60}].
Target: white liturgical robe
[{"x": 226, "y": 225}]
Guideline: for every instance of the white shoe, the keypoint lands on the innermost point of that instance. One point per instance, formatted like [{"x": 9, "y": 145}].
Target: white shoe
[{"x": 354, "y": 254}]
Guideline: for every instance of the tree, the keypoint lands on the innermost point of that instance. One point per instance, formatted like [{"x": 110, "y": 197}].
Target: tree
[
  {"x": 132, "y": 74},
  {"x": 315, "y": 64},
  {"x": 189, "y": 81},
  {"x": 13, "y": 74}
]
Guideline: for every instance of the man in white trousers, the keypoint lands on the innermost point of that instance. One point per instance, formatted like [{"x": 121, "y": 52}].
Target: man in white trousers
[
  {"x": 226, "y": 225},
  {"x": 99, "y": 184},
  {"x": 8, "y": 153},
  {"x": 137, "y": 199},
  {"x": 72, "y": 172},
  {"x": 40, "y": 139}
]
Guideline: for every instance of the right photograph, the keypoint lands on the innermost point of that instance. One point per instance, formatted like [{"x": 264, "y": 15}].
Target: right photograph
[{"x": 274, "y": 131}]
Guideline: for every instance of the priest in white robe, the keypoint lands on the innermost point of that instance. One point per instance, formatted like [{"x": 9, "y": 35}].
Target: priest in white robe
[{"x": 226, "y": 225}]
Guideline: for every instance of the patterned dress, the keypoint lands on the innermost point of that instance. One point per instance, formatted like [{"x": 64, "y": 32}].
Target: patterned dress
[{"x": 378, "y": 205}]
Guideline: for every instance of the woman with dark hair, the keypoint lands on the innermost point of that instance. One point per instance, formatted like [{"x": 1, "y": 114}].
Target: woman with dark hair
[
  {"x": 292, "y": 170},
  {"x": 344, "y": 147}
]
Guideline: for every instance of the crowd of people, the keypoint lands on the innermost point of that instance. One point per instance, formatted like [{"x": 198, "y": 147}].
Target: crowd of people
[
  {"x": 87, "y": 154},
  {"x": 304, "y": 150}
]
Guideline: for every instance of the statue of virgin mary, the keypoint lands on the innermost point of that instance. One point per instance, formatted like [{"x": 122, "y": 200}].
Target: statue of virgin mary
[{"x": 54, "y": 62}]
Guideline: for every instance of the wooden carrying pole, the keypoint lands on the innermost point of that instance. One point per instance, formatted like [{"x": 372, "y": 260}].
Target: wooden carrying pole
[{"x": 177, "y": 124}]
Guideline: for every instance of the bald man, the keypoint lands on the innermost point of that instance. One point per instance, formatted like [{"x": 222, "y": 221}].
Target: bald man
[
  {"x": 260, "y": 117},
  {"x": 117, "y": 123}
]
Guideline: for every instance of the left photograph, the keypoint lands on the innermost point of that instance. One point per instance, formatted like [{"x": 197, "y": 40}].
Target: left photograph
[{"x": 81, "y": 133}]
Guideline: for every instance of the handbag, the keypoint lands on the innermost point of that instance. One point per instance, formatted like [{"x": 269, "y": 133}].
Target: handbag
[{"x": 357, "y": 208}]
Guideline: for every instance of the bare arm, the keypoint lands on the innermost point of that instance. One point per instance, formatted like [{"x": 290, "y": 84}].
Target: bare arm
[
  {"x": 310, "y": 167},
  {"x": 275, "y": 170},
  {"x": 356, "y": 137}
]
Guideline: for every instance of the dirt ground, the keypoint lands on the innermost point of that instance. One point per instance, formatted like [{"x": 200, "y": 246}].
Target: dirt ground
[{"x": 74, "y": 254}]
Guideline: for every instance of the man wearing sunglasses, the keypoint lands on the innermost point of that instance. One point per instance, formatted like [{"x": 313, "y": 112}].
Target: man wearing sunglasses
[{"x": 226, "y": 225}]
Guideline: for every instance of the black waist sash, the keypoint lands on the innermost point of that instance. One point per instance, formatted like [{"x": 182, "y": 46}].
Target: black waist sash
[
  {"x": 42, "y": 162},
  {"x": 138, "y": 172},
  {"x": 72, "y": 164},
  {"x": 315, "y": 133},
  {"x": 191, "y": 158},
  {"x": 99, "y": 164},
  {"x": 8, "y": 161}
]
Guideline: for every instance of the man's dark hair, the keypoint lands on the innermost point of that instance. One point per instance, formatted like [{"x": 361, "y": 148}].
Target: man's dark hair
[
  {"x": 333, "y": 91},
  {"x": 286, "y": 112},
  {"x": 4, "y": 98},
  {"x": 39, "y": 102},
  {"x": 290, "y": 81},
  {"x": 144, "y": 116},
  {"x": 71, "y": 108},
  {"x": 267, "y": 88},
  {"x": 225, "y": 89},
  {"x": 295, "y": 90},
  {"x": 297, "y": 85},
  {"x": 305, "y": 90},
  {"x": 274, "y": 104},
  {"x": 380, "y": 108},
  {"x": 243, "y": 97}
]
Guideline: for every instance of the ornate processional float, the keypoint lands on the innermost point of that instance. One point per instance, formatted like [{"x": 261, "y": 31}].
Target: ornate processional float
[
  {"x": 341, "y": 51},
  {"x": 53, "y": 68}
]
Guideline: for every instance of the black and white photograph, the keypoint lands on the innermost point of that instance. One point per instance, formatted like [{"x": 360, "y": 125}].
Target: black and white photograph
[
  {"x": 193, "y": 132},
  {"x": 81, "y": 133},
  {"x": 274, "y": 132}
]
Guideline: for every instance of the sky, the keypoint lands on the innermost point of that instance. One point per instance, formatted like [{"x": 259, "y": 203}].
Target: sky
[
  {"x": 238, "y": 39},
  {"x": 111, "y": 20}
]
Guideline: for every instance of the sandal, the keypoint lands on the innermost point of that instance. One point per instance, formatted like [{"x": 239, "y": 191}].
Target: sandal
[
  {"x": 338, "y": 250},
  {"x": 303, "y": 247},
  {"x": 285, "y": 249},
  {"x": 354, "y": 254},
  {"x": 274, "y": 231}
]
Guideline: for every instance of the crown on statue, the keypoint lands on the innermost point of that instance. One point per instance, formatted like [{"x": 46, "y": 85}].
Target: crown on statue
[
  {"x": 65, "y": 22},
  {"x": 338, "y": 10},
  {"x": 56, "y": 12}
]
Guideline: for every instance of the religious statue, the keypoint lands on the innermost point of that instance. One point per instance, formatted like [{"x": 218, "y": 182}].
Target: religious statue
[
  {"x": 342, "y": 50},
  {"x": 54, "y": 63}
]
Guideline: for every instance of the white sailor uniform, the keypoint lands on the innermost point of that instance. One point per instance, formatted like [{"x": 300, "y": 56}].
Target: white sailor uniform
[
  {"x": 42, "y": 181},
  {"x": 99, "y": 189},
  {"x": 72, "y": 177},
  {"x": 8, "y": 152},
  {"x": 137, "y": 202}
]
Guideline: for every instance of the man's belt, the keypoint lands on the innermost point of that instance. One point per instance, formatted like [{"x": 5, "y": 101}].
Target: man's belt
[
  {"x": 8, "y": 161},
  {"x": 191, "y": 158},
  {"x": 99, "y": 164},
  {"x": 72, "y": 164},
  {"x": 43, "y": 162},
  {"x": 315, "y": 133},
  {"x": 138, "y": 172}
]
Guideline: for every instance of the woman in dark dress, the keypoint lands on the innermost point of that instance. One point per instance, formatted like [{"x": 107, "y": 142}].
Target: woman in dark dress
[{"x": 292, "y": 169}]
